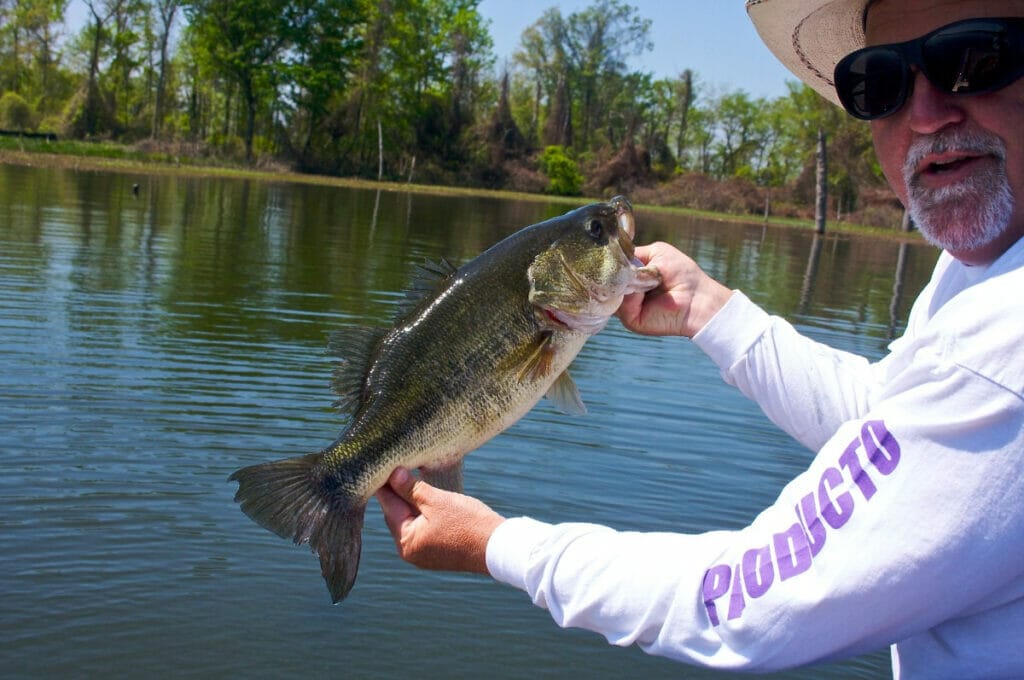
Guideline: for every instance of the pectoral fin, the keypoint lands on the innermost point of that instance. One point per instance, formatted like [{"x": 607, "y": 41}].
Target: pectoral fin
[
  {"x": 538, "y": 362},
  {"x": 565, "y": 396}
]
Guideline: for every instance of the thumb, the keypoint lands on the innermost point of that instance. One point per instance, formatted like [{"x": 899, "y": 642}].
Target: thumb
[
  {"x": 410, "y": 488},
  {"x": 630, "y": 309},
  {"x": 402, "y": 482}
]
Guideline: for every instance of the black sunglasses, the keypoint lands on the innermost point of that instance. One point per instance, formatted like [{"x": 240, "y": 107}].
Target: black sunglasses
[{"x": 966, "y": 57}]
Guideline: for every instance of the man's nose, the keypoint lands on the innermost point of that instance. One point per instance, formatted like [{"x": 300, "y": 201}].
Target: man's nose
[{"x": 931, "y": 109}]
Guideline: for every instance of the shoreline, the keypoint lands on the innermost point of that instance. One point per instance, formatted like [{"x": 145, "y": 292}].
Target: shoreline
[{"x": 128, "y": 166}]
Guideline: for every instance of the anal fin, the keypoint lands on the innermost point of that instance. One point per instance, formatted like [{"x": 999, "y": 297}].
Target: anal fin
[
  {"x": 448, "y": 477},
  {"x": 565, "y": 396}
]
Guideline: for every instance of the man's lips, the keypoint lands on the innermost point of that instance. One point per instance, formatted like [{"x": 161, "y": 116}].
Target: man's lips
[{"x": 950, "y": 166}]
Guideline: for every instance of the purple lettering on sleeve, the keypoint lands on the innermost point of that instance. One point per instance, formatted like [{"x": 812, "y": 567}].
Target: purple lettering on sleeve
[
  {"x": 716, "y": 584},
  {"x": 836, "y": 512},
  {"x": 882, "y": 448},
  {"x": 736, "y": 601},
  {"x": 758, "y": 573},
  {"x": 811, "y": 523},
  {"x": 792, "y": 553},
  {"x": 858, "y": 474}
]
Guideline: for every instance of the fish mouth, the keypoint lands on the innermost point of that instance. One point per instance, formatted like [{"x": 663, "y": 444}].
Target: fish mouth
[
  {"x": 626, "y": 225},
  {"x": 624, "y": 214},
  {"x": 555, "y": 317}
]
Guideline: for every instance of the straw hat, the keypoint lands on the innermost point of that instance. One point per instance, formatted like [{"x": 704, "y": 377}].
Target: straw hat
[{"x": 810, "y": 36}]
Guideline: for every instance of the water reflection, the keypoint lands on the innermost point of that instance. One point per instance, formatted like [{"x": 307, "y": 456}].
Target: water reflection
[
  {"x": 154, "y": 341},
  {"x": 898, "y": 286},
  {"x": 810, "y": 274}
]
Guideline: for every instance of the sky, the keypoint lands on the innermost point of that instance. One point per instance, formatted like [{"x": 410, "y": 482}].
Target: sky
[{"x": 713, "y": 38}]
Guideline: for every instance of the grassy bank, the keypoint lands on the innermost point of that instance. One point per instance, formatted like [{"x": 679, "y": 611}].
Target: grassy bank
[{"x": 111, "y": 157}]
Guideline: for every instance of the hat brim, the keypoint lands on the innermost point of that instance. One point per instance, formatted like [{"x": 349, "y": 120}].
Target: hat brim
[{"x": 809, "y": 37}]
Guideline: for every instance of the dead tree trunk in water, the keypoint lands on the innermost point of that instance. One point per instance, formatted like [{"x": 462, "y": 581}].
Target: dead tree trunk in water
[
  {"x": 380, "y": 152},
  {"x": 821, "y": 202}
]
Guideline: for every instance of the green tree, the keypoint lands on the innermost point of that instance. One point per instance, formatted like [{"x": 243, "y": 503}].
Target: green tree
[
  {"x": 576, "y": 64},
  {"x": 96, "y": 113},
  {"x": 166, "y": 12},
  {"x": 244, "y": 41},
  {"x": 598, "y": 40},
  {"x": 30, "y": 52},
  {"x": 852, "y": 164},
  {"x": 131, "y": 38},
  {"x": 700, "y": 136},
  {"x": 659, "y": 115},
  {"x": 538, "y": 57},
  {"x": 741, "y": 131},
  {"x": 686, "y": 94},
  {"x": 416, "y": 83},
  {"x": 318, "y": 70},
  {"x": 12, "y": 39}
]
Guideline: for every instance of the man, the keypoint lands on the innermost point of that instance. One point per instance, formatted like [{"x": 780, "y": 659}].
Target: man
[{"x": 908, "y": 526}]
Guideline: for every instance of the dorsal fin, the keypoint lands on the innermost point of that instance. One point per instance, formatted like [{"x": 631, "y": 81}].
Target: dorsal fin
[
  {"x": 427, "y": 279},
  {"x": 353, "y": 347}
]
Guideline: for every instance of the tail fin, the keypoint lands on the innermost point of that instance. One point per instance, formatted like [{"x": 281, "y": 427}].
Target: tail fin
[{"x": 290, "y": 498}]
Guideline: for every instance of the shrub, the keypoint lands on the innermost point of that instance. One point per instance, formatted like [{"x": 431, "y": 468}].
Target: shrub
[
  {"x": 562, "y": 171},
  {"x": 700, "y": 192},
  {"x": 15, "y": 113}
]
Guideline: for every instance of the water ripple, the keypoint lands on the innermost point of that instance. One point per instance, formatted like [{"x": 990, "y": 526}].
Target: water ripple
[{"x": 150, "y": 347}]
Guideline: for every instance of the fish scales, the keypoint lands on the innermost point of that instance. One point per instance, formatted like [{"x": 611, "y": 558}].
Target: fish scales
[{"x": 482, "y": 346}]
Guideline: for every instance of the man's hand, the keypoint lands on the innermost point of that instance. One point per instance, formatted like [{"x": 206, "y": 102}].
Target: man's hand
[
  {"x": 436, "y": 529},
  {"x": 686, "y": 299}
]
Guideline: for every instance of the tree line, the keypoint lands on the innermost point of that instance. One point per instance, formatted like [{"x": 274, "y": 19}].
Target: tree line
[{"x": 410, "y": 90}]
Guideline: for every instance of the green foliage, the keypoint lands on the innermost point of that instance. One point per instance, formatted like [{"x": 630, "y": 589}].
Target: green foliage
[
  {"x": 562, "y": 171},
  {"x": 50, "y": 124},
  {"x": 15, "y": 113},
  {"x": 405, "y": 88}
]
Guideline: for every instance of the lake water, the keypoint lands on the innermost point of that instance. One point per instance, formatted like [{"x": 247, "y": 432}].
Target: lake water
[{"x": 152, "y": 342}]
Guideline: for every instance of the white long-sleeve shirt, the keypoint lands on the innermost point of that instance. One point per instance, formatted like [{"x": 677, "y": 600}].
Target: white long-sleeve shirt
[{"x": 907, "y": 528}]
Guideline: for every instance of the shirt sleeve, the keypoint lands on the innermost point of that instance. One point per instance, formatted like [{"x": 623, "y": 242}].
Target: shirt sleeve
[
  {"x": 907, "y": 517},
  {"x": 805, "y": 387}
]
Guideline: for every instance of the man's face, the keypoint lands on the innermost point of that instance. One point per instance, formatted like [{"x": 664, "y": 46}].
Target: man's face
[{"x": 957, "y": 161}]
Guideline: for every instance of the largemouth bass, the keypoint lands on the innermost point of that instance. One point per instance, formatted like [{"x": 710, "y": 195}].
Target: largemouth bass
[{"x": 479, "y": 348}]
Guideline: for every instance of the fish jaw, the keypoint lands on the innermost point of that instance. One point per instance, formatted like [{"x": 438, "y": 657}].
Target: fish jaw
[
  {"x": 593, "y": 316},
  {"x": 588, "y": 324},
  {"x": 641, "y": 278},
  {"x": 593, "y": 289}
]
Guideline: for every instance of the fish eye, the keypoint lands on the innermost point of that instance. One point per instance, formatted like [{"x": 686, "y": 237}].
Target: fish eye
[{"x": 594, "y": 229}]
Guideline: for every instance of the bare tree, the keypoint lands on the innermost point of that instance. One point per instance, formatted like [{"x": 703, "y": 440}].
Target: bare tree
[{"x": 166, "y": 12}]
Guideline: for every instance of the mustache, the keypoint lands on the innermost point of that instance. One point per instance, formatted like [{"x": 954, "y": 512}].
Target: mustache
[{"x": 968, "y": 142}]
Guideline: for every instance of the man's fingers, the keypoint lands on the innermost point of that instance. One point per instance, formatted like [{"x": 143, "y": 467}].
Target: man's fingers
[
  {"x": 629, "y": 310},
  {"x": 401, "y": 498},
  {"x": 396, "y": 510},
  {"x": 643, "y": 253},
  {"x": 402, "y": 482}
]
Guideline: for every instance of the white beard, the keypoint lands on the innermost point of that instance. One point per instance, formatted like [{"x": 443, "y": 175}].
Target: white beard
[{"x": 968, "y": 215}]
